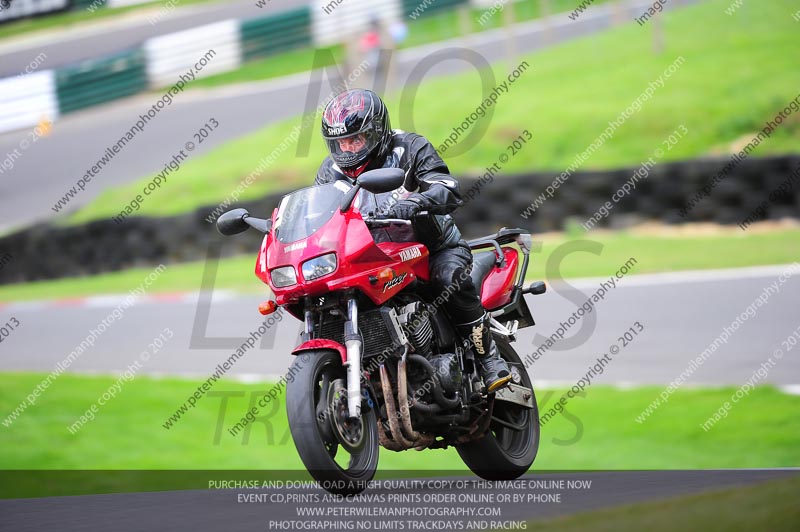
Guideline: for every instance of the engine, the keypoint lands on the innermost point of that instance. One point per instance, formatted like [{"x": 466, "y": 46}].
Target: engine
[
  {"x": 448, "y": 371},
  {"x": 415, "y": 318},
  {"x": 416, "y": 323}
]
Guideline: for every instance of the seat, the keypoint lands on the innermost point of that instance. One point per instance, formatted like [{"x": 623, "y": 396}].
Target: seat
[{"x": 482, "y": 264}]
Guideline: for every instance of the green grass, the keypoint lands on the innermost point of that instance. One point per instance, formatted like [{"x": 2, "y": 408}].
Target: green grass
[
  {"x": 766, "y": 506},
  {"x": 233, "y": 273},
  {"x": 735, "y": 77},
  {"x": 80, "y": 17},
  {"x": 450, "y": 24},
  {"x": 274, "y": 66},
  {"x": 666, "y": 254},
  {"x": 599, "y": 432},
  {"x": 652, "y": 253}
]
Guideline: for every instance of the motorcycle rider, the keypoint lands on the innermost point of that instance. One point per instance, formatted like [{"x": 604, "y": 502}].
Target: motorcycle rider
[{"x": 359, "y": 137}]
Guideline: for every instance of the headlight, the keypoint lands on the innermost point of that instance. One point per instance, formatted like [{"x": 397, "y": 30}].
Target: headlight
[
  {"x": 316, "y": 268},
  {"x": 283, "y": 276}
]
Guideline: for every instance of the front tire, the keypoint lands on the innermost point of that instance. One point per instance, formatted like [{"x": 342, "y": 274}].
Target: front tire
[
  {"x": 342, "y": 455},
  {"x": 506, "y": 453}
]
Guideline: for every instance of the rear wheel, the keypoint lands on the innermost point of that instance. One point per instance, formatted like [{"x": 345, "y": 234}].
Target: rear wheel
[
  {"x": 340, "y": 453},
  {"x": 509, "y": 448}
]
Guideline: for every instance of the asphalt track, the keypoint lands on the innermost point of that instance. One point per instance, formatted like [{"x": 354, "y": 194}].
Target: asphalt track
[
  {"x": 682, "y": 314},
  {"x": 34, "y": 185},
  {"x": 215, "y": 510}
]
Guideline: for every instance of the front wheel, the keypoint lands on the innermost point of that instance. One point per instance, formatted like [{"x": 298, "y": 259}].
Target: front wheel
[
  {"x": 509, "y": 448},
  {"x": 341, "y": 454}
]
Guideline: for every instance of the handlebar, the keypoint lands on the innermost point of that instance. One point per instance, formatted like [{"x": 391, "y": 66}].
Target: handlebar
[{"x": 378, "y": 221}]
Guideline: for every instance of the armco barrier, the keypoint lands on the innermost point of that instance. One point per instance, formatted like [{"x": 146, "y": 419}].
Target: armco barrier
[
  {"x": 96, "y": 81},
  {"x": 25, "y": 101},
  {"x": 18, "y": 9},
  {"x": 83, "y": 4},
  {"x": 105, "y": 246},
  {"x": 169, "y": 56},
  {"x": 432, "y": 6},
  {"x": 162, "y": 59},
  {"x": 276, "y": 33}
]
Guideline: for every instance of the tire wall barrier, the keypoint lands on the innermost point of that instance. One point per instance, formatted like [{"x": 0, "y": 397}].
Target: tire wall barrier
[{"x": 48, "y": 252}]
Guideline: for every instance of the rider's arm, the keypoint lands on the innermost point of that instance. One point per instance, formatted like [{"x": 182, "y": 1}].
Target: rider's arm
[
  {"x": 439, "y": 190},
  {"x": 325, "y": 172}
]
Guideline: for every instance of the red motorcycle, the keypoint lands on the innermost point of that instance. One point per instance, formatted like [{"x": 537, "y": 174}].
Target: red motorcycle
[{"x": 382, "y": 364}]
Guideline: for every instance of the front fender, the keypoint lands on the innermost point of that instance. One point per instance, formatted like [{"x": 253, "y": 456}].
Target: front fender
[{"x": 321, "y": 343}]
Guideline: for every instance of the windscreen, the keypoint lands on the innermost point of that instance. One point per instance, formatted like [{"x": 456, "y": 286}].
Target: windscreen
[
  {"x": 370, "y": 205},
  {"x": 304, "y": 212}
]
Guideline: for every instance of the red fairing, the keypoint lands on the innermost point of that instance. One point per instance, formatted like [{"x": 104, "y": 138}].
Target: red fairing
[
  {"x": 321, "y": 343},
  {"x": 359, "y": 261},
  {"x": 498, "y": 285},
  {"x": 261, "y": 262}
]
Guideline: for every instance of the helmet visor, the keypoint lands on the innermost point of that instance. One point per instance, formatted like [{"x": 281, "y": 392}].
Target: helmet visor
[{"x": 353, "y": 150}]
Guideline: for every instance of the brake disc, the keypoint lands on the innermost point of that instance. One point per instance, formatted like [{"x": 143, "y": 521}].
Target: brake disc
[{"x": 350, "y": 433}]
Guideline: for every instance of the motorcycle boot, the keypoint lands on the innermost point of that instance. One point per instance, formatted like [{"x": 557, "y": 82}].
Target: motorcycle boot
[{"x": 493, "y": 369}]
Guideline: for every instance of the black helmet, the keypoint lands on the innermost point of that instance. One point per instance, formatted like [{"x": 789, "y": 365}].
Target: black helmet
[{"x": 351, "y": 113}]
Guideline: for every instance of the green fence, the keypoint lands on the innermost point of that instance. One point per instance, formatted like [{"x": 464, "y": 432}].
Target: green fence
[
  {"x": 83, "y": 4},
  {"x": 432, "y": 7},
  {"x": 97, "y": 81},
  {"x": 277, "y": 33}
]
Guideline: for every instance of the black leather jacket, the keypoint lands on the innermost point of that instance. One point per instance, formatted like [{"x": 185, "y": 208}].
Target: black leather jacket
[{"x": 426, "y": 174}]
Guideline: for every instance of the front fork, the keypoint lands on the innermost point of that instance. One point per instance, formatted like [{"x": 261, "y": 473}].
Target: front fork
[{"x": 352, "y": 342}]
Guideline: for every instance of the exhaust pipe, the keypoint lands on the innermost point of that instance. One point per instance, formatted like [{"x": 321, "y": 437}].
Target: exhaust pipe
[
  {"x": 402, "y": 398},
  {"x": 391, "y": 410}
]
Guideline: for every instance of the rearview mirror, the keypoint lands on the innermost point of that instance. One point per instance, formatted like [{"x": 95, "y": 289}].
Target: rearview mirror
[
  {"x": 233, "y": 222},
  {"x": 382, "y": 180}
]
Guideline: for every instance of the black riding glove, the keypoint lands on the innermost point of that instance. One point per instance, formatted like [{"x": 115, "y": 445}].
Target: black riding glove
[{"x": 407, "y": 208}]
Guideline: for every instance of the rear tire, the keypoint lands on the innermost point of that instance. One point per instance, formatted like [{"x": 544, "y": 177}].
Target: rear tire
[
  {"x": 318, "y": 431},
  {"x": 505, "y": 453}
]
